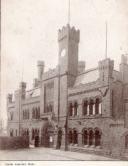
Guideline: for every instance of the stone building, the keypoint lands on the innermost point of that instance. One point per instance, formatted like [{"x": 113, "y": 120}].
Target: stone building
[{"x": 73, "y": 107}]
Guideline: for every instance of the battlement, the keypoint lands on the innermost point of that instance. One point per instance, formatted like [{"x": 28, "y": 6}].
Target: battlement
[
  {"x": 70, "y": 32},
  {"x": 50, "y": 73}
]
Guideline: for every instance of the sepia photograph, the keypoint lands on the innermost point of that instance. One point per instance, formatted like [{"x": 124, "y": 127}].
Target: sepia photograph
[{"x": 64, "y": 81}]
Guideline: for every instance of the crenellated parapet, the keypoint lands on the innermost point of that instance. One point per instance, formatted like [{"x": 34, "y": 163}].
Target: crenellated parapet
[
  {"x": 69, "y": 32},
  {"x": 51, "y": 73}
]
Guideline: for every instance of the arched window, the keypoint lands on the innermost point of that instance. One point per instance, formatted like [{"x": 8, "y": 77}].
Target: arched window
[
  {"x": 75, "y": 108},
  {"x": 11, "y": 116},
  {"x": 27, "y": 132},
  {"x": 126, "y": 141},
  {"x": 85, "y": 105},
  {"x": 91, "y": 107},
  {"x": 70, "y": 109},
  {"x": 23, "y": 114},
  {"x": 33, "y": 134},
  {"x": 70, "y": 137},
  {"x": 75, "y": 137},
  {"x": 38, "y": 112},
  {"x": 85, "y": 137},
  {"x": 91, "y": 136},
  {"x": 11, "y": 133},
  {"x": 97, "y": 138},
  {"x": 50, "y": 108},
  {"x": 97, "y": 106},
  {"x": 33, "y": 113}
]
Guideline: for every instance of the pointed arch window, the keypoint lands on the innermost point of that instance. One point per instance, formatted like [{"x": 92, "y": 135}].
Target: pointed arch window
[
  {"x": 70, "y": 109},
  {"x": 85, "y": 105},
  {"x": 126, "y": 141},
  {"x": 97, "y": 138},
  {"x": 75, "y": 108},
  {"x": 91, "y": 107},
  {"x": 85, "y": 137},
  {"x": 70, "y": 137},
  {"x": 97, "y": 106},
  {"x": 75, "y": 136},
  {"x": 91, "y": 137}
]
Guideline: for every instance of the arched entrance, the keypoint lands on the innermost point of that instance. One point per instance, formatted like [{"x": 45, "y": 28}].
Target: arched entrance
[{"x": 47, "y": 134}]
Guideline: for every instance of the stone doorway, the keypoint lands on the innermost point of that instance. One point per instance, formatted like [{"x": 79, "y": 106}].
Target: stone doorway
[{"x": 47, "y": 135}]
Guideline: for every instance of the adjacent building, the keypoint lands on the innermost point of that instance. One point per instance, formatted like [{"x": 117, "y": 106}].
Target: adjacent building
[{"x": 73, "y": 107}]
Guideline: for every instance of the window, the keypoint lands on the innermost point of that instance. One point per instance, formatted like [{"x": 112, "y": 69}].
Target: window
[
  {"x": 36, "y": 112},
  {"x": 11, "y": 133},
  {"x": 97, "y": 138},
  {"x": 126, "y": 141},
  {"x": 75, "y": 137},
  {"x": 35, "y": 132},
  {"x": 85, "y": 137},
  {"x": 70, "y": 136},
  {"x": 91, "y": 137},
  {"x": 91, "y": 107},
  {"x": 85, "y": 105},
  {"x": 11, "y": 115},
  {"x": 75, "y": 108},
  {"x": 70, "y": 109},
  {"x": 26, "y": 114},
  {"x": 97, "y": 106}
]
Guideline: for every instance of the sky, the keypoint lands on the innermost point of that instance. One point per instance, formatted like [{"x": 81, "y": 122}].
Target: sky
[{"x": 30, "y": 31}]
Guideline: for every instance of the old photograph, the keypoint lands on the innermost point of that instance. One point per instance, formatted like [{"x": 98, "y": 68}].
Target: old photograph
[{"x": 64, "y": 80}]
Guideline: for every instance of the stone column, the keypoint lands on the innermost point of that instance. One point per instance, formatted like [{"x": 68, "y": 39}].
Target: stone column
[
  {"x": 73, "y": 111},
  {"x": 100, "y": 108},
  {"x": 94, "y": 109},
  {"x": 80, "y": 139},
  {"x": 88, "y": 109}
]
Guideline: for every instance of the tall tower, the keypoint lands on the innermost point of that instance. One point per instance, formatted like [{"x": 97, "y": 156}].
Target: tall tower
[{"x": 68, "y": 39}]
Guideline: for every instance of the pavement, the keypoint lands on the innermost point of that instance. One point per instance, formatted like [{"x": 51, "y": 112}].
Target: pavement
[{"x": 48, "y": 154}]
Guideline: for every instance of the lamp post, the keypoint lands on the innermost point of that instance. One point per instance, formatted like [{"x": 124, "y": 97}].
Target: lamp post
[{"x": 66, "y": 120}]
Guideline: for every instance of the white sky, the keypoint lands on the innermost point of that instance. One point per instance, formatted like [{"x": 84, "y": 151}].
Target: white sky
[{"x": 29, "y": 33}]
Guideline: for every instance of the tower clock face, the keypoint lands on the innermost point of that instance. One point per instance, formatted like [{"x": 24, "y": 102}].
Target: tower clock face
[{"x": 63, "y": 53}]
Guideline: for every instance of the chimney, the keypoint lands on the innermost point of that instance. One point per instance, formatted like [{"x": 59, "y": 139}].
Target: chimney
[
  {"x": 81, "y": 66},
  {"x": 23, "y": 89},
  {"x": 124, "y": 68},
  {"x": 35, "y": 83},
  {"x": 40, "y": 65},
  {"x": 9, "y": 98}
]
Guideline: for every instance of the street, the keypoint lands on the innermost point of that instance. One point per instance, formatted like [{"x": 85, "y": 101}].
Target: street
[{"x": 47, "y": 154}]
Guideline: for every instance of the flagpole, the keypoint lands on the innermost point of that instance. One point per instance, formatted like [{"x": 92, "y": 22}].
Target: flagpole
[
  {"x": 69, "y": 12},
  {"x": 106, "y": 41}
]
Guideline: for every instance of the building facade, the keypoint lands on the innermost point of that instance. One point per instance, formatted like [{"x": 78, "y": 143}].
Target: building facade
[{"x": 72, "y": 107}]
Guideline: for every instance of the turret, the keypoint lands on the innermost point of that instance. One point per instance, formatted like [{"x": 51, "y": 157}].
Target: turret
[
  {"x": 68, "y": 38},
  {"x": 22, "y": 89},
  {"x": 106, "y": 67},
  {"x": 9, "y": 98},
  {"x": 124, "y": 68},
  {"x": 40, "y": 65}
]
